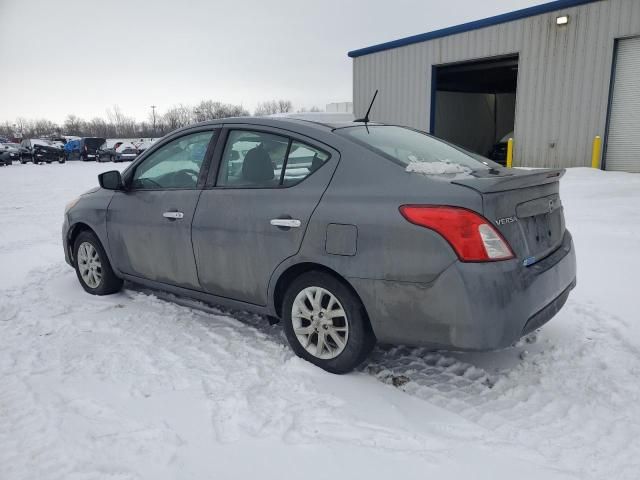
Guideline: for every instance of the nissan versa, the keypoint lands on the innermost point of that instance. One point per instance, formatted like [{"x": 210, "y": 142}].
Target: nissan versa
[{"x": 349, "y": 233}]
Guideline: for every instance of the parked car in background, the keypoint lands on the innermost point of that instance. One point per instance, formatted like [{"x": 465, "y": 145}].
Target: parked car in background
[
  {"x": 107, "y": 151},
  {"x": 499, "y": 151},
  {"x": 348, "y": 233},
  {"x": 38, "y": 150},
  {"x": 9, "y": 152},
  {"x": 142, "y": 146},
  {"x": 72, "y": 149},
  {"x": 126, "y": 153},
  {"x": 87, "y": 149},
  {"x": 59, "y": 140}
]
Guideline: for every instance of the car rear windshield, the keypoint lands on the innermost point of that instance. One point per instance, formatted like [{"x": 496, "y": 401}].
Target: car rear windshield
[
  {"x": 94, "y": 142},
  {"x": 409, "y": 148}
]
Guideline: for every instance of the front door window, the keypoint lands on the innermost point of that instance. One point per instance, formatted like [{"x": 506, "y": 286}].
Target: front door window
[{"x": 175, "y": 165}]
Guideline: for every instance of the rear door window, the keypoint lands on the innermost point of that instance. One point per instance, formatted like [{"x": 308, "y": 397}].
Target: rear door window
[
  {"x": 253, "y": 159},
  {"x": 302, "y": 161}
]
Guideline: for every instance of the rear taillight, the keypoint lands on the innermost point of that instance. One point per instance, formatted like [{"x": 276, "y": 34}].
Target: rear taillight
[{"x": 471, "y": 235}]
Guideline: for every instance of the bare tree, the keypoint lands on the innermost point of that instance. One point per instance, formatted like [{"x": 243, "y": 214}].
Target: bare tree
[
  {"x": 210, "y": 110},
  {"x": 117, "y": 124},
  {"x": 285, "y": 106},
  {"x": 178, "y": 116},
  {"x": 73, "y": 125},
  {"x": 273, "y": 106},
  {"x": 313, "y": 109}
]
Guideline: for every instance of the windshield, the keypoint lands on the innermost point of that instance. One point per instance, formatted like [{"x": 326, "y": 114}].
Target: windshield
[
  {"x": 94, "y": 142},
  {"x": 41, "y": 142},
  {"x": 411, "y": 148}
]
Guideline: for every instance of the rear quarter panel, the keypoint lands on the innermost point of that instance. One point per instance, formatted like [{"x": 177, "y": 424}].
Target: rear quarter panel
[{"x": 366, "y": 191}]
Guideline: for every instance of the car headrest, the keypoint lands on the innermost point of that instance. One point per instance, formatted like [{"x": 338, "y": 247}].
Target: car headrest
[{"x": 257, "y": 166}]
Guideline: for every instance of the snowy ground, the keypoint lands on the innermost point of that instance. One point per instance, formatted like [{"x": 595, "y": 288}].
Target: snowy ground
[{"x": 133, "y": 386}]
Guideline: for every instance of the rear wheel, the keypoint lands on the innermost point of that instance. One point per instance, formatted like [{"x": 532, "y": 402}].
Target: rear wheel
[
  {"x": 92, "y": 266},
  {"x": 325, "y": 322}
]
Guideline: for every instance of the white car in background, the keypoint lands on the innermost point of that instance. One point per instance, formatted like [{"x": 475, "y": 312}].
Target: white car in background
[{"x": 126, "y": 153}]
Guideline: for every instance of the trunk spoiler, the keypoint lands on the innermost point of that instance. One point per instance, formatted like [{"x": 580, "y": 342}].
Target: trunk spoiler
[{"x": 517, "y": 179}]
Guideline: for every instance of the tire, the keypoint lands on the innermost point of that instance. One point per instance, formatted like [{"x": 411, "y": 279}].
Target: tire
[
  {"x": 61, "y": 160},
  {"x": 108, "y": 282},
  {"x": 352, "y": 328}
]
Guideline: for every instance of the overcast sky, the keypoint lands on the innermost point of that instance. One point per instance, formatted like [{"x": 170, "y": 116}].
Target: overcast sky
[{"x": 84, "y": 56}]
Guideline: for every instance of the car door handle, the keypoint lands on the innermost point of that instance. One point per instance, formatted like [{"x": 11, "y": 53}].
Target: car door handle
[
  {"x": 285, "y": 222},
  {"x": 173, "y": 215}
]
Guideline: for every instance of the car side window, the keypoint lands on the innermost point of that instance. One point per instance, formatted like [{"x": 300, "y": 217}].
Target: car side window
[
  {"x": 264, "y": 160},
  {"x": 174, "y": 165},
  {"x": 252, "y": 159},
  {"x": 302, "y": 161}
]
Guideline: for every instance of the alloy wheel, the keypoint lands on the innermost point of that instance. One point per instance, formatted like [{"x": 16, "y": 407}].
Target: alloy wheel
[
  {"x": 320, "y": 322},
  {"x": 89, "y": 265}
]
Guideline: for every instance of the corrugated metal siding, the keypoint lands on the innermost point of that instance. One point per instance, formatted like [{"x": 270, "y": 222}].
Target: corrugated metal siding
[
  {"x": 623, "y": 151},
  {"x": 563, "y": 79}
]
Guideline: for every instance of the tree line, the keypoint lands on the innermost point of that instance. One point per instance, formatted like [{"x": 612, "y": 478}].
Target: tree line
[{"x": 118, "y": 125}]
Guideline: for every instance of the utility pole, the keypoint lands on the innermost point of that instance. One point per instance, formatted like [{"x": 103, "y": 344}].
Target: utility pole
[{"x": 153, "y": 114}]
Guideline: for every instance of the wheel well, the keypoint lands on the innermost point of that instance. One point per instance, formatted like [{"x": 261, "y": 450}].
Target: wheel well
[
  {"x": 294, "y": 272},
  {"x": 73, "y": 234}
]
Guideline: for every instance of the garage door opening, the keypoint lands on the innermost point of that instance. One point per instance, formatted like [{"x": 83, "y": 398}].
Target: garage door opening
[{"x": 474, "y": 104}]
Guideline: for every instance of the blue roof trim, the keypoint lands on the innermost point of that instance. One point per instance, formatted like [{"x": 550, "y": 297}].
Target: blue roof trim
[{"x": 465, "y": 27}]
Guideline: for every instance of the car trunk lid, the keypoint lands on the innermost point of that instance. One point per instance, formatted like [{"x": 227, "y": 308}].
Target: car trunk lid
[{"x": 525, "y": 207}]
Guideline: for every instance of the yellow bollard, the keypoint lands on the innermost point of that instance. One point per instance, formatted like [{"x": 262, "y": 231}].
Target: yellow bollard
[
  {"x": 595, "y": 152},
  {"x": 510, "y": 153}
]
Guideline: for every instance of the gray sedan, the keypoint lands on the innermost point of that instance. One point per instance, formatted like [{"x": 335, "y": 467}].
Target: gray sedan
[{"x": 347, "y": 233}]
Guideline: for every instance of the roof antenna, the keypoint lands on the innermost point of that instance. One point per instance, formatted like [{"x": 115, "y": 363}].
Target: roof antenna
[{"x": 365, "y": 119}]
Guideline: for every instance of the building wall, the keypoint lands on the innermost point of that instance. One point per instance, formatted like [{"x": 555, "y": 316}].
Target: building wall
[{"x": 563, "y": 77}]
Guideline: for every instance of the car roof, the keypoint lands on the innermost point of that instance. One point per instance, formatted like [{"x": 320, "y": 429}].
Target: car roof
[{"x": 284, "y": 122}]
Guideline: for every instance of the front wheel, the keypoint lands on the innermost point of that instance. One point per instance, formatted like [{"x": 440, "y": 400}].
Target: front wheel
[
  {"x": 92, "y": 266},
  {"x": 325, "y": 322}
]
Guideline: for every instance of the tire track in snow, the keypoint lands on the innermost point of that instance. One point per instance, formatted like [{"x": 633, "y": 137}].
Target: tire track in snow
[
  {"x": 107, "y": 369},
  {"x": 576, "y": 398}
]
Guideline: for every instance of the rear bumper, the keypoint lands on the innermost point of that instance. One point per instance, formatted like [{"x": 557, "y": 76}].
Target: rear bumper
[{"x": 471, "y": 306}]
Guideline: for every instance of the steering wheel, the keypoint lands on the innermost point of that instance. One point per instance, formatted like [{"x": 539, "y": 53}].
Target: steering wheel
[
  {"x": 152, "y": 182},
  {"x": 185, "y": 177}
]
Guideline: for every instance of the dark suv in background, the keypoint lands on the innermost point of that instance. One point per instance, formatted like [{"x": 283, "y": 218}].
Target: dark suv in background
[
  {"x": 38, "y": 150},
  {"x": 87, "y": 149}
]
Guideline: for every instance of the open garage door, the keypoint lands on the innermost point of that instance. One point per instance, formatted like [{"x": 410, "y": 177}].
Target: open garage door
[
  {"x": 474, "y": 103},
  {"x": 623, "y": 136}
]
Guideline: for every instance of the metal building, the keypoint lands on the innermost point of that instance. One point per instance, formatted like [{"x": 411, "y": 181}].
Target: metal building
[{"x": 553, "y": 76}]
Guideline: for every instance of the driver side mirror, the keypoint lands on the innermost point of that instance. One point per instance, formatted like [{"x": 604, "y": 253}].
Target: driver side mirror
[{"x": 111, "y": 180}]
